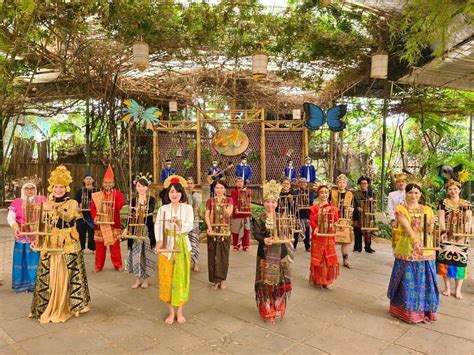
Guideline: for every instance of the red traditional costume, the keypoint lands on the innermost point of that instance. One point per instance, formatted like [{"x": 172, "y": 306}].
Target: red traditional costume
[
  {"x": 107, "y": 234},
  {"x": 324, "y": 268}
]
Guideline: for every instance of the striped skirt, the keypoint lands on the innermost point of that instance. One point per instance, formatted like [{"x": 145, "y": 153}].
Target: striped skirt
[{"x": 25, "y": 266}]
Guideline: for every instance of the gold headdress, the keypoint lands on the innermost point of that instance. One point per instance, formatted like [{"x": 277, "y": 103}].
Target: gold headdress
[
  {"x": 60, "y": 176},
  {"x": 452, "y": 182},
  {"x": 271, "y": 190},
  {"x": 400, "y": 177},
  {"x": 342, "y": 177},
  {"x": 175, "y": 179}
]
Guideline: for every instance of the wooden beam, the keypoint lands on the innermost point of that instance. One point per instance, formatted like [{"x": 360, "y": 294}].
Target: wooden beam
[
  {"x": 263, "y": 166},
  {"x": 155, "y": 157},
  {"x": 198, "y": 147}
]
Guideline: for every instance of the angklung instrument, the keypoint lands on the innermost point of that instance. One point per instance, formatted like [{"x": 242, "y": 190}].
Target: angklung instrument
[
  {"x": 220, "y": 221},
  {"x": 421, "y": 226},
  {"x": 136, "y": 220},
  {"x": 86, "y": 200},
  {"x": 45, "y": 240},
  {"x": 243, "y": 202},
  {"x": 326, "y": 222},
  {"x": 459, "y": 226},
  {"x": 302, "y": 199},
  {"x": 31, "y": 212},
  {"x": 345, "y": 218},
  {"x": 287, "y": 206},
  {"x": 281, "y": 228},
  {"x": 174, "y": 234},
  {"x": 106, "y": 209},
  {"x": 367, "y": 215}
]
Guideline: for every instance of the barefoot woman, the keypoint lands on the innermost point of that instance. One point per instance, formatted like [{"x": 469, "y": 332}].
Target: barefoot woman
[{"x": 175, "y": 220}]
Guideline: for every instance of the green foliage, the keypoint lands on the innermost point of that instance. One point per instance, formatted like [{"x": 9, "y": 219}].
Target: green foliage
[{"x": 423, "y": 24}]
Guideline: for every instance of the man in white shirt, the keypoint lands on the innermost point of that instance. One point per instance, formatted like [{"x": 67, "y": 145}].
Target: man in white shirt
[{"x": 396, "y": 197}]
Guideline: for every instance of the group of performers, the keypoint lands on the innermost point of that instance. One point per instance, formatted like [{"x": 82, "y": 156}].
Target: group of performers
[{"x": 52, "y": 232}]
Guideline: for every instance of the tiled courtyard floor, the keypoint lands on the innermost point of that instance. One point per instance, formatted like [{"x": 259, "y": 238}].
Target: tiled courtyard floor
[{"x": 351, "y": 319}]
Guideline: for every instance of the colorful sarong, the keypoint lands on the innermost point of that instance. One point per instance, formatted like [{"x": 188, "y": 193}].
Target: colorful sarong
[
  {"x": 25, "y": 266},
  {"x": 452, "y": 260},
  {"x": 413, "y": 291},
  {"x": 272, "y": 283},
  {"x": 174, "y": 274}
]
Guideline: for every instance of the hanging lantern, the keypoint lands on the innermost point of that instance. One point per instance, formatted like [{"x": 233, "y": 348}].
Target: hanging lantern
[
  {"x": 297, "y": 114},
  {"x": 141, "y": 57},
  {"x": 259, "y": 66},
  {"x": 173, "y": 106},
  {"x": 379, "y": 68}
]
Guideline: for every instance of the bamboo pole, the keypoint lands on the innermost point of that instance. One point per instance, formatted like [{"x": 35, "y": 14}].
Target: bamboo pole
[
  {"x": 198, "y": 146},
  {"x": 305, "y": 142},
  {"x": 155, "y": 157},
  {"x": 130, "y": 160},
  {"x": 263, "y": 166},
  {"x": 384, "y": 145}
]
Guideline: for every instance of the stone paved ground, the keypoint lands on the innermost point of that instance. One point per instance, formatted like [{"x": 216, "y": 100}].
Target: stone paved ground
[{"x": 352, "y": 318}]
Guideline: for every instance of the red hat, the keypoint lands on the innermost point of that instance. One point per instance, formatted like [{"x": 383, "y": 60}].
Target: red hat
[{"x": 109, "y": 174}]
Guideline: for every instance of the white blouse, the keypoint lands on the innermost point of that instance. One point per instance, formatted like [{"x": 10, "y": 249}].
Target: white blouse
[{"x": 184, "y": 213}]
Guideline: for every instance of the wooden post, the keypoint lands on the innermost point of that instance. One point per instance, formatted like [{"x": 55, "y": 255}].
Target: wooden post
[
  {"x": 155, "y": 157},
  {"x": 263, "y": 166},
  {"x": 198, "y": 146},
  {"x": 130, "y": 161},
  {"x": 305, "y": 142},
  {"x": 384, "y": 145},
  {"x": 332, "y": 144}
]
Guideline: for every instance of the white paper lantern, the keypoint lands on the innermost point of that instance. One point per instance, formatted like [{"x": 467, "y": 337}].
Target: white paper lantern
[
  {"x": 173, "y": 106},
  {"x": 141, "y": 55},
  {"x": 296, "y": 114},
  {"x": 379, "y": 68},
  {"x": 259, "y": 66}
]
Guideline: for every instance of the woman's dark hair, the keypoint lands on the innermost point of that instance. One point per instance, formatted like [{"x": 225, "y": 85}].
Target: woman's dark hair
[
  {"x": 220, "y": 182},
  {"x": 285, "y": 179},
  {"x": 412, "y": 186},
  {"x": 165, "y": 194},
  {"x": 363, "y": 178},
  {"x": 143, "y": 182}
]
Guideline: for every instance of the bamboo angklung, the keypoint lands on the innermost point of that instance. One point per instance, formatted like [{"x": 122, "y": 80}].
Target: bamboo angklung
[
  {"x": 105, "y": 213},
  {"x": 367, "y": 215},
  {"x": 85, "y": 201},
  {"x": 282, "y": 229},
  {"x": 165, "y": 248},
  {"x": 136, "y": 220},
  {"x": 220, "y": 221},
  {"x": 243, "y": 206},
  {"x": 459, "y": 226},
  {"x": 326, "y": 223},
  {"x": 45, "y": 240}
]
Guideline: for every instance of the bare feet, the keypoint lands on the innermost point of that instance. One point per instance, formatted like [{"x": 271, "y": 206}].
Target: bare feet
[
  {"x": 136, "y": 284},
  {"x": 270, "y": 321},
  {"x": 145, "y": 284},
  {"x": 222, "y": 286},
  {"x": 120, "y": 269},
  {"x": 458, "y": 296},
  {"x": 446, "y": 293},
  {"x": 215, "y": 286},
  {"x": 328, "y": 287},
  {"x": 97, "y": 270},
  {"x": 195, "y": 268},
  {"x": 170, "y": 319},
  {"x": 180, "y": 318}
]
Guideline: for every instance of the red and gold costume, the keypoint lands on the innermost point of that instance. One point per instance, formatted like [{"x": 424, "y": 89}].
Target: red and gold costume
[
  {"x": 108, "y": 234},
  {"x": 324, "y": 268}
]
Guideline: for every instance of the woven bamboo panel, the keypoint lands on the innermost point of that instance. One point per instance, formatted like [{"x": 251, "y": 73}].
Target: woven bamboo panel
[
  {"x": 279, "y": 147},
  {"x": 178, "y": 146},
  {"x": 253, "y": 151}
]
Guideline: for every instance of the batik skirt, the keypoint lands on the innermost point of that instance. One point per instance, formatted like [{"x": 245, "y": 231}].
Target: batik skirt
[
  {"x": 194, "y": 240},
  {"x": 413, "y": 290},
  {"x": 141, "y": 260}
]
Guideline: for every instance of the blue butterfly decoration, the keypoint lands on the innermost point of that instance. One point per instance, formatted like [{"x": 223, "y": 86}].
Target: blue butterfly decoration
[{"x": 316, "y": 117}]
